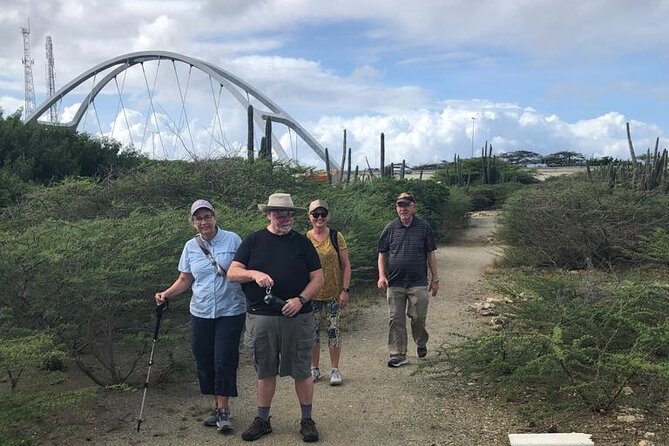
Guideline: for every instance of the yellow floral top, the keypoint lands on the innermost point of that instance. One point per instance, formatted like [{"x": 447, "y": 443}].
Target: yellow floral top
[{"x": 330, "y": 264}]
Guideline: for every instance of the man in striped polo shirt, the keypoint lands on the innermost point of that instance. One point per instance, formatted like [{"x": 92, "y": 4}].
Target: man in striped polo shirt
[{"x": 406, "y": 249}]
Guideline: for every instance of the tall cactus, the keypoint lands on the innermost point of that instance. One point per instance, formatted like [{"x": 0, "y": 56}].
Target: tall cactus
[
  {"x": 249, "y": 138},
  {"x": 383, "y": 154},
  {"x": 327, "y": 166},
  {"x": 267, "y": 147},
  {"x": 343, "y": 159}
]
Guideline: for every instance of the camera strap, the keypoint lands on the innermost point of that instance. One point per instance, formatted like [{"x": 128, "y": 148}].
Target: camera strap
[{"x": 204, "y": 246}]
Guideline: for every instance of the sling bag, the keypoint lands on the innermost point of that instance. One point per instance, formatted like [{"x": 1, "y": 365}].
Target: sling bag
[{"x": 203, "y": 246}]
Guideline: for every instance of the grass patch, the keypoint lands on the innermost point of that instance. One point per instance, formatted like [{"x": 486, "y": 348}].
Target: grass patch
[{"x": 20, "y": 411}]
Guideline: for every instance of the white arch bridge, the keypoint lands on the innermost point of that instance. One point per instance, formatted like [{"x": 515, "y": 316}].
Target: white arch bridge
[{"x": 136, "y": 100}]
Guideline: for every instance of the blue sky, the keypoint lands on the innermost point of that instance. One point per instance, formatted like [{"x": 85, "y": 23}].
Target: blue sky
[{"x": 537, "y": 75}]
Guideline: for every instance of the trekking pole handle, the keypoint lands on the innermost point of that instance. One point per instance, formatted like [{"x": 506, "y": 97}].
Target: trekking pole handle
[{"x": 160, "y": 309}]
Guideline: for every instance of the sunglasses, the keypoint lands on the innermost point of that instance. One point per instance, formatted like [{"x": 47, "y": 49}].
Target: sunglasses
[
  {"x": 319, "y": 214},
  {"x": 403, "y": 204},
  {"x": 279, "y": 213}
]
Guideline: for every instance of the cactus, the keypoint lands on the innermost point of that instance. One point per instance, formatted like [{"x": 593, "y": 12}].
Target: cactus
[
  {"x": 327, "y": 166},
  {"x": 348, "y": 170},
  {"x": 343, "y": 159},
  {"x": 249, "y": 139},
  {"x": 383, "y": 154},
  {"x": 649, "y": 175}
]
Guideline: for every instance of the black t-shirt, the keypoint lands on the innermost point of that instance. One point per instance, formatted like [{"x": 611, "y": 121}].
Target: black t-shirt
[{"x": 288, "y": 259}]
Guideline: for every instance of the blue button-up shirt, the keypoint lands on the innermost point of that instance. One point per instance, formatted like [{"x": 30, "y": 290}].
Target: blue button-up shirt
[{"x": 213, "y": 295}]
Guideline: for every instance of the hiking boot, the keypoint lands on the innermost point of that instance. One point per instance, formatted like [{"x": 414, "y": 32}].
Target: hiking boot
[
  {"x": 223, "y": 423},
  {"x": 315, "y": 373},
  {"x": 335, "y": 377},
  {"x": 258, "y": 428},
  {"x": 308, "y": 430},
  {"x": 211, "y": 419},
  {"x": 421, "y": 351},
  {"x": 397, "y": 361}
]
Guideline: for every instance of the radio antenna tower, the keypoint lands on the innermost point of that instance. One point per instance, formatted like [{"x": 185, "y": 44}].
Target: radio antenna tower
[
  {"x": 50, "y": 79},
  {"x": 28, "y": 63}
]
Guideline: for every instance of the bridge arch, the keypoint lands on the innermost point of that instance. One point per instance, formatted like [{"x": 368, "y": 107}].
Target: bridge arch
[{"x": 232, "y": 83}]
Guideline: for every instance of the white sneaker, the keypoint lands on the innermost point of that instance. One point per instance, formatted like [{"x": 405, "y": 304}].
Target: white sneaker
[
  {"x": 315, "y": 373},
  {"x": 335, "y": 377}
]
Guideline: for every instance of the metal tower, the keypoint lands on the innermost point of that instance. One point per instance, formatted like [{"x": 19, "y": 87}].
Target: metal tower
[
  {"x": 28, "y": 63},
  {"x": 50, "y": 79}
]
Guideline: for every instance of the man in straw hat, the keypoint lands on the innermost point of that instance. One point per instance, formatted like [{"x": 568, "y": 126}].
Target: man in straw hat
[
  {"x": 406, "y": 249},
  {"x": 279, "y": 263}
]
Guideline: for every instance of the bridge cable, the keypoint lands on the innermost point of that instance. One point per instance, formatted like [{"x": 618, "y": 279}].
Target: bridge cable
[
  {"x": 151, "y": 93},
  {"x": 193, "y": 154},
  {"x": 97, "y": 115},
  {"x": 90, "y": 99},
  {"x": 225, "y": 144},
  {"x": 125, "y": 115},
  {"x": 217, "y": 116},
  {"x": 118, "y": 106}
]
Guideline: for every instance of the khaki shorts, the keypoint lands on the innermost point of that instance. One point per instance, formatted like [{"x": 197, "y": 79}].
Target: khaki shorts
[{"x": 281, "y": 345}]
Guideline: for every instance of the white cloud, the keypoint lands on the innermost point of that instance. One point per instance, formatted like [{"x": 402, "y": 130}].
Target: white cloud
[
  {"x": 10, "y": 104},
  {"x": 362, "y": 85}
]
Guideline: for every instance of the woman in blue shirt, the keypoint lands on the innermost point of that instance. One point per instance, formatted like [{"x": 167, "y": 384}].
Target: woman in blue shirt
[{"x": 217, "y": 309}]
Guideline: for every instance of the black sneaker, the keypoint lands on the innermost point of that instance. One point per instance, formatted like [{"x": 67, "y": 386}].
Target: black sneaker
[
  {"x": 421, "y": 351},
  {"x": 258, "y": 428},
  {"x": 308, "y": 430},
  {"x": 397, "y": 361}
]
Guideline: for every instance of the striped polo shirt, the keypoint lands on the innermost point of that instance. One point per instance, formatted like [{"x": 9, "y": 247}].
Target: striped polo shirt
[{"x": 407, "y": 248}]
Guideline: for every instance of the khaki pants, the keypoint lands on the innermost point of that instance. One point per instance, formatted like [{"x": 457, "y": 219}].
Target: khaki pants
[{"x": 411, "y": 302}]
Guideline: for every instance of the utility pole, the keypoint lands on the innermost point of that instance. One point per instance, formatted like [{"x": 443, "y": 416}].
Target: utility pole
[
  {"x": 51, "y": 79},
  {"x": 28, "y": 63},
  {"x": 473, "y": 121}
]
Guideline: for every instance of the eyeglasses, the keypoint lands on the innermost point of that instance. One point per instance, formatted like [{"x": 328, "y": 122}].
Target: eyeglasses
[
  {"x": 280, "y": 213},
  {"x": 203, "y": 218},
  {"x": 322, "y": 214}
]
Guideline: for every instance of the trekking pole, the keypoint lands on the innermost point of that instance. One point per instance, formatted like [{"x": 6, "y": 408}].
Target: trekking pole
[{"x": 160, "y": 309}]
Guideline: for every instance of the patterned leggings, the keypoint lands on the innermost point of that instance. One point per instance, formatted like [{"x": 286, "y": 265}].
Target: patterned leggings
[{"x": 327, "y": 309}]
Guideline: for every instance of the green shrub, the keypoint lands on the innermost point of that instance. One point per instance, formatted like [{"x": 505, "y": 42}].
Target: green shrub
[
  {"x": 572, "y": 224},
  {"x": 653, "y": 248},
  {"x": 491, "y": 196},
  {"x": 574, "y": 340}
]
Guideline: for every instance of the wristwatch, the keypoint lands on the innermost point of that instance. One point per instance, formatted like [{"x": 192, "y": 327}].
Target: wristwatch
[
  {"x": 303, "y": 300},
  {"x": 435, "y": 280},
  {"x": 346, "y": 290}
]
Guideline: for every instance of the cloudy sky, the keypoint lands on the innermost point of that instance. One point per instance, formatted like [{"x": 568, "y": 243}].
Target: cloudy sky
[{"x": 536, "y": 75}]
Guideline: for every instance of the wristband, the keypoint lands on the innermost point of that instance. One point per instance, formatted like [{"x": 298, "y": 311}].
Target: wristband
[
  {"x": 346, "y": 290},
  {"x": 303, "y": 300},
  {"x": 435, "y": 280}
]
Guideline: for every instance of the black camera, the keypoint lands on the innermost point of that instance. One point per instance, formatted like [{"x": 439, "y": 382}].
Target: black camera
[{"x": 274, "y": 302}]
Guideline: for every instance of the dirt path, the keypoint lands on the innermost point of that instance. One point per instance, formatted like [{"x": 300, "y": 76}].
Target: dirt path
[{"x": 376, "y": 404}]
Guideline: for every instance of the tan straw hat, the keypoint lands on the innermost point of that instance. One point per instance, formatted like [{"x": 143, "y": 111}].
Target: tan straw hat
[{"x": 279, "y": 202}]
